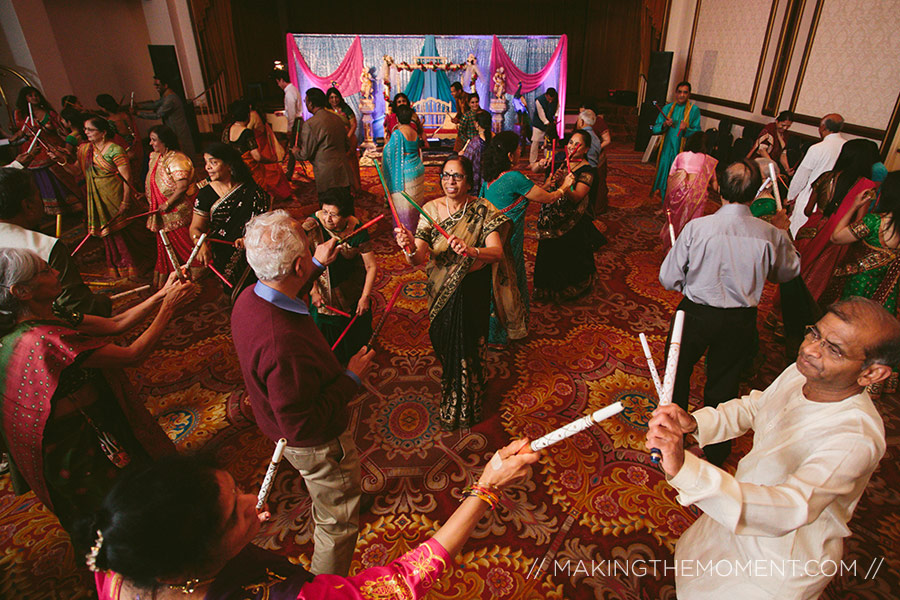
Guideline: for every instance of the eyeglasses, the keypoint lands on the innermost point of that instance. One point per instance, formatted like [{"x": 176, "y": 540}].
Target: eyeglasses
[
  {"x": 331, "y": 214},
  {"x": 454, "y": 176},
  {"x": 834, "y": 352}
]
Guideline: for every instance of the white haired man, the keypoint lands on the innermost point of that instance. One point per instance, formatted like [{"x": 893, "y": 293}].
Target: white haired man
[
  {"x": 774, "y": 529},
  {"x": 298, "y": 390}
]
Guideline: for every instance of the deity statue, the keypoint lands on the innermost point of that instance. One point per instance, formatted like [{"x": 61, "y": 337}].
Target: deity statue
[
  {"x": 499, "y": 80},
  {"x": 365, "y": 84}
]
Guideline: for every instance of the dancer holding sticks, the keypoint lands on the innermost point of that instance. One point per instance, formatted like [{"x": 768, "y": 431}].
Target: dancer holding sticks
[
  {"x": 345, "y": 287},
  {"x": 720, "y": 263},
  {"x": 459, "y": 285}
]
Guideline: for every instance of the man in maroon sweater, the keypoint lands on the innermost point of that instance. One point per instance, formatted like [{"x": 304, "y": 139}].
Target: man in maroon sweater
[{"x": 298, "y": 389}]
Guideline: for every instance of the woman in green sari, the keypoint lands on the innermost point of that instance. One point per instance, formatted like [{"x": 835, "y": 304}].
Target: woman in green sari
[
  {"x": 459, "y": 286},
  {"x": 67, "y": 422}
]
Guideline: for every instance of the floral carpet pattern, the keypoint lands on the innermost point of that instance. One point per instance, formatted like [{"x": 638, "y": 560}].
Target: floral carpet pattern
[{"x": 591, "y": 507}]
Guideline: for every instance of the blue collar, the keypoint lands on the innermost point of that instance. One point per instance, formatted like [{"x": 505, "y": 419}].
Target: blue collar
[{"x": 273, "y": 296}]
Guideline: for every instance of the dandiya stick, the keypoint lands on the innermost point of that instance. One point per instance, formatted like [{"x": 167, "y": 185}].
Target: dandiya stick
[
  {"x": 266, "y": 486},
  {"x": 428, "y": 218},
  {"x": 129, "y": 292},
  {"x": 222, "y": 277},
  {"x": 360, "y": 229},
  {"x": 34, "y": 141},
  {"x": 764, "y": 185},
  {"x": 30, "y": 113},
  {"x": 82, "y": 243},
  {"x": 576, "y": 426},
  {"x": 131, "y": 218},
  {"x": 671, "y": 228},
  {"x": 652, "y": 365},
  {"x": 173, "y": 258},
  {"x": 59, "y": 225},
  {"x": 671, "y": 368},
  {"x": 194, "y": 251},
  {"x": 553, "y": 155},
  {"x": 390, "y": 201},
  {"x": 103, "y": 283},
  {"x": 387, "y": 310},
  {"x": 344, "y": 332},
  {"x": 337, "y": 310},
  {"x": 656, "y": 106},
  {"x": 218, "y": 241},
  {"x": 775, "y": 189}
]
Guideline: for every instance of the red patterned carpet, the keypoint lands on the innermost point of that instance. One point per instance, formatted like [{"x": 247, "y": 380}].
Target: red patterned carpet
[{"x": 592, "y": 500}]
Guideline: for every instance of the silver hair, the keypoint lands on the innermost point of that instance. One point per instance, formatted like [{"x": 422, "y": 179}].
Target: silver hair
[
  {"x": 588, "y": 117},
  {"x": 16, "y": 266},
  {"x": 273, "y": 243}
]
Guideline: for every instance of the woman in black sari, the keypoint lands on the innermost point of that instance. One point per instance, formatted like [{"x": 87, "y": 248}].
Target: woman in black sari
[
  {"x": 459, "y": 286},
  {"x": 222, "y": 208}
]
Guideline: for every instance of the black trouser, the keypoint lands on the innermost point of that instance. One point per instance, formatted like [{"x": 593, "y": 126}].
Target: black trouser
[{"x": 730, "y": 340}]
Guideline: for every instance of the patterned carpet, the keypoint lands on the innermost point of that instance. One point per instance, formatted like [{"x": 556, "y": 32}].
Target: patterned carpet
[{"x": 592, "y": 500}]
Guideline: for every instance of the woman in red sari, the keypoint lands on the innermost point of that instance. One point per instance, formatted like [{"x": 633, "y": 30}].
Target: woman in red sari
[
  {"x": 168, "y": 181},
  {"x": 692, "y": 174},
  {"x": 265, "y": 169},
  {"x": 67, "y": 422},
  {"x": 183, "y": 529},
  {"x": 833, "y": 196}
]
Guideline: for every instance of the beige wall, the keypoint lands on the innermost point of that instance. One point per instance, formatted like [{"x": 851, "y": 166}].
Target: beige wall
[{"x": 853, "y": 68}]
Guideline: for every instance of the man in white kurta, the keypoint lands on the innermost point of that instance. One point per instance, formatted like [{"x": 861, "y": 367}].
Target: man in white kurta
[
  {"x": 770, "y": 530},
  {"x": 819, "y": 159}
]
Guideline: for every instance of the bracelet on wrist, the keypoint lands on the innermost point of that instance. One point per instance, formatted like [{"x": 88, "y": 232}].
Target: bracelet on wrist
[{"x": 483, "y": 493}]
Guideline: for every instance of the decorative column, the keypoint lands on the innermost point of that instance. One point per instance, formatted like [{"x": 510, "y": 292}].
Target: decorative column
[{"x": 367, "y": 108}]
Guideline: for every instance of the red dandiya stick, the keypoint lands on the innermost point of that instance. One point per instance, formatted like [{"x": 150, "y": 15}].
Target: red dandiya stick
[
  {"x": 343, "y": 333},
  {"x": 337, "y": 310},
  {"x": 83, "y": 242},
  {"x": 218, "y": 241},
  {"x": 387, "y": 309},
  {"x": 359, "y": 229},
  {"x": 553, "y": 156},
  {"x": 145, "y": 214},
  {"x": 428, "y": 218},
  {"x": 222, "y": 277}
]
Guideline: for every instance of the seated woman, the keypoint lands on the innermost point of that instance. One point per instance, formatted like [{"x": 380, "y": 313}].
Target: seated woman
[
  {"x": 266, "y": 171},
  {"x": 403, "y": 168},
  {"x": 346, "y": 285},
  {"x": 221, "y": 210},
  {"x": 475, "y": 146},
  {"x": 70, "y": 427},
  {"x": 771, "y": 143},
  {"x": 390, "y": 120},
  {"x": 182, "y": 529},
  {"x": 338, "y": 106},
  {"x": 692, "y": 174},
  {"x": 510, "y": 191},
  {"x": 168, "y": 179},
  {"x": 564, "y": 267},
  {"x": 459, "y": 286}
]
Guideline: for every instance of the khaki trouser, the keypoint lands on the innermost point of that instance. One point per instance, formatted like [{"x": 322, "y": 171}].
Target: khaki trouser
[
  {"x": 537, "y": 136},
  {"x": 332, "y": 476}
]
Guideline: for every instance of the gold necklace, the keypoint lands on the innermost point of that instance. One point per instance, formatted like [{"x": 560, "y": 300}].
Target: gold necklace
[{"x": 190, "y": 585}]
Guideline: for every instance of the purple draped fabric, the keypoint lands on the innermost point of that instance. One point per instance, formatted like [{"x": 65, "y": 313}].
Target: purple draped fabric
[
  {"x": 345, "y": 78},
  {"x": 531, "y": 81}
]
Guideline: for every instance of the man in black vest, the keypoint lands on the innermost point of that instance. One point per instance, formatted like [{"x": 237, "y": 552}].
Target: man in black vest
[{"x": 544, "y": 121}]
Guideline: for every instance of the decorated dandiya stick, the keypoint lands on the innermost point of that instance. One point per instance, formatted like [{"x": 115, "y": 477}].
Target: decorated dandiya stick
[
  {"x": 360, "y": 229},
  {"x": 173, "y": 258},
  {"x": 671, "y": 228},
  {"x": 775, "y": 189},
  {"x": 576, "y": 426},
  {"x": 219, "y": 275},
  {"x": 671, "y": 368},
  {"x": 194, "y": 251},
  {"x": 344, "y": 332},
  {"x": 336, "y": 310},
  {"x": 266, "y": 486},
  {"x": 82, "y": 243},
  {"x": 652, "y": 366},
  {"x": 387, "y": 310},
  {"x": 129, "y": 292}
]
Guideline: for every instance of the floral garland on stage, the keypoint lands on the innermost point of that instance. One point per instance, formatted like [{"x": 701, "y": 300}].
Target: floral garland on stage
[{"x": 470, "y": 69}]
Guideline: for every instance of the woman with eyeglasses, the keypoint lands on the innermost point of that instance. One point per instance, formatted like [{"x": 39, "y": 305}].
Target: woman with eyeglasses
[
  {"x": 343, "y": 291},
  {"x": 459, "y": 286},
  {"x": 564, "y": 266},
  {"x": 510, "y": 191}
]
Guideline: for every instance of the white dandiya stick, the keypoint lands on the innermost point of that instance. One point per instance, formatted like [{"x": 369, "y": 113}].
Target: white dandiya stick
[
  {"x": 671, "y": 368},
  {"x": 775, "y": 186},
  {"x": 671, "y": 228},
  {"x": 173, "y": 258},
  {"x": 132, "y": 101},
  {"x": 194, "y": 252},
  {"x": 764, "y": 185},
  {"x": 652, "y": 366},
  {"x": 576, "y": 426},
  {"x": 30, "y": 114},
  {"x": 270, "y": 474},
  {"x": 129, "y": 292},
  {"x": 33, "y": 142}
]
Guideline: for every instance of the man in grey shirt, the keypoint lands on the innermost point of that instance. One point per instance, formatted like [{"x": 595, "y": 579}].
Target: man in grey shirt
[
  {"x": 720, "y": 263},
  {"x": 170, "y": 110}
]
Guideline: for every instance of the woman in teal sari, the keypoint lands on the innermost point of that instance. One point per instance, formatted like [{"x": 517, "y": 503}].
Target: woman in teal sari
[
  {"x": 67, "y": 423},
  {"x": 510, "y": 191},
  {"x": 404, "y": 169}
]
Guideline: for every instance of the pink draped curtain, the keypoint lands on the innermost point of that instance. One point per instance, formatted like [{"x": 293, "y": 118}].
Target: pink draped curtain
[
  {"x": 345, "y": 78},
  {"x": 531, "y": 81}
]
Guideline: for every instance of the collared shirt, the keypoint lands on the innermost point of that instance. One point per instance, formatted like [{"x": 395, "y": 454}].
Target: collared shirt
[
  {"x": 819, "y": 158},
  {"x": 294, "y": 305},
  {"x": 724, "y": 259},
  {"x": 292, "y": 106}
]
